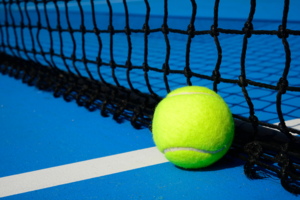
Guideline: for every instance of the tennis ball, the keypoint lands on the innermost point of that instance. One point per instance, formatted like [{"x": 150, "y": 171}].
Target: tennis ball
[{"x": 193, "y": 127}]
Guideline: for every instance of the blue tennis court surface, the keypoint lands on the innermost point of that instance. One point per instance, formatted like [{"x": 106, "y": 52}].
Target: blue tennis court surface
[
  {"x": 40, "y": 132},
  {"x": 50, "y": 149}
]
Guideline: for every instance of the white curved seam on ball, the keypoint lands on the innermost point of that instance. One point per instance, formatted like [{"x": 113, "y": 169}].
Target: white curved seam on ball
[
  {"x": 188, "y": 93},
  {"x": 172, "y": 149}
]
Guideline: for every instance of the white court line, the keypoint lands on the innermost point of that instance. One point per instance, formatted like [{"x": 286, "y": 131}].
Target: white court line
[
  {"x": 54, "y": 176},
  {"x": 294, "y": 123},
  {"x": 74, "y": 172}
]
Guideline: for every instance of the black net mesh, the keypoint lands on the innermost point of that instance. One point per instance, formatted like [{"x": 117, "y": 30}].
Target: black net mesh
[{"x": 122, "y": 64}]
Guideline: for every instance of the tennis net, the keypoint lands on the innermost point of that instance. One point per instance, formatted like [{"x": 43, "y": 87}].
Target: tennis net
[{"x": 106, "y": 58}]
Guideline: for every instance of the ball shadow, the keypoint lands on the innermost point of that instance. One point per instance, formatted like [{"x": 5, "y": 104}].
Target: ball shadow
[{"x": 226, "y": 162}]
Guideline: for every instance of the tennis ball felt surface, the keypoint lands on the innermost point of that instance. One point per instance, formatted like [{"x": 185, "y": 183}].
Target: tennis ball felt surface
[{"x": 193, "y": 127}]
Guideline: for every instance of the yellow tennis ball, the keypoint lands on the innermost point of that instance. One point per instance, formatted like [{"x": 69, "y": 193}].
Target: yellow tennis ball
[{"x": 193, "y": 127}]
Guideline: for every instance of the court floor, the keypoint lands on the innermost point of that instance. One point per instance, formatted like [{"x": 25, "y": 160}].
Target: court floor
[{"x": 51, "y": 149}]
